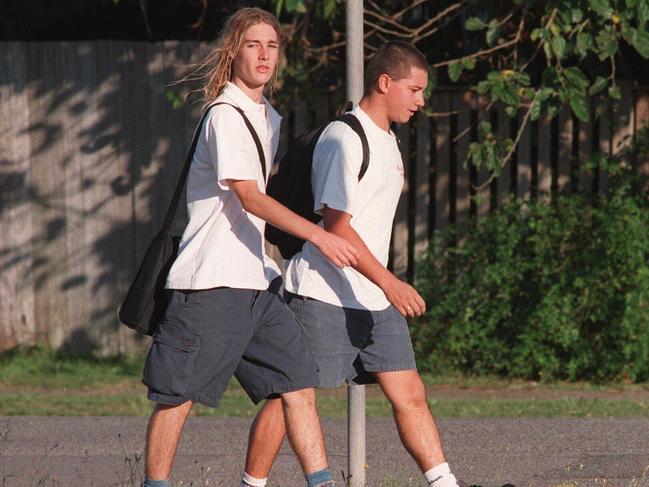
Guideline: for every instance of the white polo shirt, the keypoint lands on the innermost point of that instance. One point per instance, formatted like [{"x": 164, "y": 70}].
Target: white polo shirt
[
  {"x": 372, "y": 202},
  {"x": 223, "y": 245}
]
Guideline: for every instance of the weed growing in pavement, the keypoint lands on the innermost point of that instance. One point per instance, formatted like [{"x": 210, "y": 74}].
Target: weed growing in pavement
[
  {"x": 642, "y": 481},
  {"x": 132, "y": 469},
  {"x": 3, "y": 440},
  {"x": 393, "y": 482}
]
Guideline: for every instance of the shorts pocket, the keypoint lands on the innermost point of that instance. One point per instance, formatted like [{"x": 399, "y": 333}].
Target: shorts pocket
[{"x": 170, "y": 362}]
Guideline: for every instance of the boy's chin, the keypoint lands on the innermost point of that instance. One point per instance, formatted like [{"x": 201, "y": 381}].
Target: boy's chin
[{"x": 405, "y": 118}]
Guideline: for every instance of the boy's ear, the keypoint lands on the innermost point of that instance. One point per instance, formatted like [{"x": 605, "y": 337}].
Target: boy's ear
[{"x": 383, "y": 82}]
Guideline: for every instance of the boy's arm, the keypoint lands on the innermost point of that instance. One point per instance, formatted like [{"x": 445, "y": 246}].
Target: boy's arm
[
  {"x": 337, "y": 249},
  {"x": 400, "y": 294}
]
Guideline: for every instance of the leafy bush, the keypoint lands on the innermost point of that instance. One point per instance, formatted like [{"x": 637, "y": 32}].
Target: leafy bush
[{"x": 543, "y": 290}]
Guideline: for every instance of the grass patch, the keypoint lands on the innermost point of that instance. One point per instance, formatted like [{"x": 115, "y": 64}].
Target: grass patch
[
  {"x": 495, "y": 382},
  {"x": 236, "y": 404},
  {"x": 36, "y": 382},
  {"x": 36, "y": 367}
]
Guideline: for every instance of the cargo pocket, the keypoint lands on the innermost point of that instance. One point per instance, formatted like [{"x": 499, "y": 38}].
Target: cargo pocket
[{"x": 170, "y": 361}]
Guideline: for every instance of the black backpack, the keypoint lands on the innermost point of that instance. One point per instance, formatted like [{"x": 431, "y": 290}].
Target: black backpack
[{"x": 291, "y": 184}]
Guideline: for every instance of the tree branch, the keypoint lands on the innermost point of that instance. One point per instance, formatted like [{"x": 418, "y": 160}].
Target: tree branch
[
  {"x": 434, "y": 29},
  {"x": 441, "y": 15},
  {"x": 414, "y": 4},
  {"x": 335, "y": 45},
  {"x": 404, "y": 32},
  {"x": 200, "y": 23},
  {"x": 474, "y": 124},
  {"x": 388, "y": 31},
  {"x": 540, "y": 43},
  {"x": 479, "y": 53},
  {"x": 377, "y": 7},
  {"x": 146, "y": 19},
  {"x": 388, "y": 20},
  {"x": 442, "y": 114},
  {"x": 506, "y": 159},
  {"x": 504, "y": 45}
]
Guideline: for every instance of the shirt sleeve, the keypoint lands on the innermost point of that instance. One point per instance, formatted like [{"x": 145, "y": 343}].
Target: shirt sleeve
[
  {"x": 337, "y": 160},
  {"x": 230, "y": 146}
]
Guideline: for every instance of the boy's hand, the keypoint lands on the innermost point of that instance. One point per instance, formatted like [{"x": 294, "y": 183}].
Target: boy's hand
[
  {"x": 405, "y": 298},
  {"x": 336, "y": 249}
]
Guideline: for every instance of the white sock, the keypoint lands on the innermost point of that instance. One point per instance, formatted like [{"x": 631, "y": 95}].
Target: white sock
[
  {"x": 441, "y": 476},
  {"x": 250, "y": 481}
]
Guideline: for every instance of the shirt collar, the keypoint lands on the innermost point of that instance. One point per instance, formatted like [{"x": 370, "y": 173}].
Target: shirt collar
[
  {"x": 247, "y": 104},
  {"x": 242, "y": 100},
  {"x": 364, "y": 117}
]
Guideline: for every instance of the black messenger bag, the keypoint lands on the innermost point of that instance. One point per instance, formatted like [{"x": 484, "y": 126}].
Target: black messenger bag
[{"x": 147, "y": 299}]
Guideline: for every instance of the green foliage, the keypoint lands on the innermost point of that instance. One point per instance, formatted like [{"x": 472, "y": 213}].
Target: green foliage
[
  {"x": 175, "y": 99},
  {"x": 493, "y": 32},
  {"x": 489, "y": 150},
  {"x": 601, "y": 7},
  {"x": 533, "y": 57},
  {"x": 544, "y": 290},
  {"x": 290, "y": 6},
  {"x": 640, "y": 40},
  {"x": 455, "y": 70},
  {"x": 37, "y": 367},
  {"x": 39, "y": 382},
  {"x": 570, "y": 33},
  {"x": 474, "y": 23}
]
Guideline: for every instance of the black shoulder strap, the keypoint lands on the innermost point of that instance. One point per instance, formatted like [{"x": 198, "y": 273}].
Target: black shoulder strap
[
  {"x": 355, "y": 124},
  {"x": 175, "y": 199},
  {"x": 255, "y": 137}
]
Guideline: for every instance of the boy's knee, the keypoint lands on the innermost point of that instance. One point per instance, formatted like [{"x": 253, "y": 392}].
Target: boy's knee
[
  {"x": 272, "y": 407},
  {"x": 410, "y": 397},
  {"x": 411, "y": 401},
  {"x": 303, "y": 398},
  {"x": 174, "y": 407}
]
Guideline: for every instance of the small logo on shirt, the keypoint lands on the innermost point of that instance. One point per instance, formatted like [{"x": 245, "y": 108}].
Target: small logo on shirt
[{"x": 400, "y": 169}]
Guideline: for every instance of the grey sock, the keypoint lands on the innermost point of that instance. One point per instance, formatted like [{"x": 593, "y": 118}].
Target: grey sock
[
  {"x": 321, "y": 478},
  {"x": 155, "y": 483}
]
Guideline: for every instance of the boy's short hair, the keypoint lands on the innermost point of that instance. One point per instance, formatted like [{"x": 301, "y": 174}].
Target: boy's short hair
[{"x": 394, "y": 58}]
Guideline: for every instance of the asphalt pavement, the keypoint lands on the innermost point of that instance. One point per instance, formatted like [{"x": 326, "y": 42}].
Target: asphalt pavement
[{"x": 107, "y": 451}]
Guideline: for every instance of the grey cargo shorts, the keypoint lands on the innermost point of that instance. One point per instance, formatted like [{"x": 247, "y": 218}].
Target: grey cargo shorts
[
  {"x": 207, "y": 336},
  {"x": 351, "y": 344}
]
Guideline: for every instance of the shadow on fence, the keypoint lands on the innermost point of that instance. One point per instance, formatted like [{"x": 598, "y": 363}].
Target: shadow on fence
[{"x": 90, "y": 150}]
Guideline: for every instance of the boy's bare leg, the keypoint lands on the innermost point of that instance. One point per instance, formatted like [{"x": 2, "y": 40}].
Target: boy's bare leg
[
  {"x": 162, "y": 437},
  {"x": 416, "y": 426},
  {"x": 266, "y": 437},
  {"x": 303, "y": 429}
]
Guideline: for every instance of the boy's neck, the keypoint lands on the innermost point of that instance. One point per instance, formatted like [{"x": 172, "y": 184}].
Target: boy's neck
[
  {"x": 376, "y": 111},
  {"x": 254, "y": 93}
]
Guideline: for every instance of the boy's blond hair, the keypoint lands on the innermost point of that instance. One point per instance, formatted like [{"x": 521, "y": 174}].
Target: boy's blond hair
[{"x": 227, "y": 47}]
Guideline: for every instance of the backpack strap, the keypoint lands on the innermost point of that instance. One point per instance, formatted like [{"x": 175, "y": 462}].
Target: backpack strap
[
  {"x": 255, "y": 137},
  {"x": 356, "y": 126},
  {"x": 175, "y": 199}
]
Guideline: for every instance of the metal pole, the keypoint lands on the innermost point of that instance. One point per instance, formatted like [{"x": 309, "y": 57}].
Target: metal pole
[
  {"x": 355, "y": 393},
  {"x": 356, "y": 435},
  {"x": 355, "y": 60}
]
